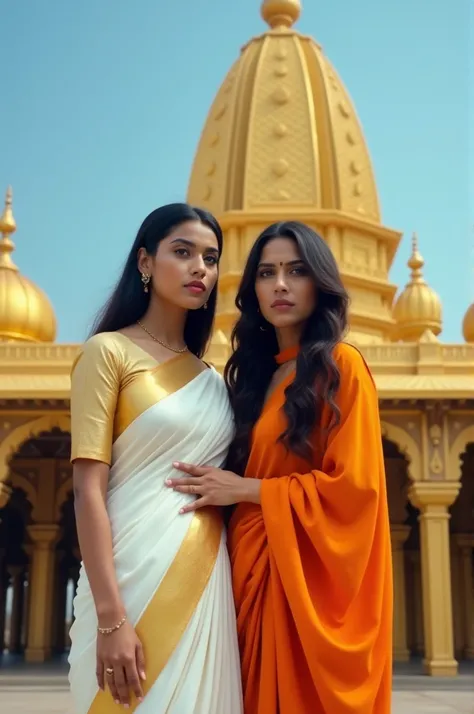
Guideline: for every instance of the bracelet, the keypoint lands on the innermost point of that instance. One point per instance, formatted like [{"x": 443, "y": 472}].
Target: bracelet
[{"x": 109, "y": 630}]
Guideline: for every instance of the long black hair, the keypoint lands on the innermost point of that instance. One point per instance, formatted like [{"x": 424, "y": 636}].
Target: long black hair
[
  {"x": 252, "y": 364},
  {"x": 129, "y": 302}
]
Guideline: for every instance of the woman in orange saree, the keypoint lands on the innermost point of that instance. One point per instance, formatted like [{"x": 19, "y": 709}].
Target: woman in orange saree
[{"x": 309, "y": 538}]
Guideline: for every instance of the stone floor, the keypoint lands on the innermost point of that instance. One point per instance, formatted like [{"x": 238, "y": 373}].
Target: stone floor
[
  {"x": 43, "y": 690},
  {"x": 27, "y": 700},
  {"x": 32, "y": 700},
  {"x": 433, "y": 702}
]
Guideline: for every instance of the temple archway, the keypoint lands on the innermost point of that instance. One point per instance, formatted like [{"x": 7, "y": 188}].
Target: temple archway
[
  {"x": 414, "y": 585},
  {"x": 407, "y": 447},
  {"x": 462, "y": 557},
  {"x": 457, "y": 451},
  {"x": 26, "y": 432},
  {"x": 66, "y": 577},
  {"x": 41, "y": 543},
  {"x": 402, "y": 529},
  {"x": 15, "y": 519}
]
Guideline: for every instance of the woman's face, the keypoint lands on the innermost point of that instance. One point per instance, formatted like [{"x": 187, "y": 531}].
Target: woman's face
[
  {"x": 285, "y": 289},
  {"x": 184, "y": 269}
]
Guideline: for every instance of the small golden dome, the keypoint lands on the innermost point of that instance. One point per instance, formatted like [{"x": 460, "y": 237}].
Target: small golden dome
[
  {"x": 25, "y": 311},
  {"x": 418, "y": 307},
  {"x": 468, "y": 324},
  {"x": 281, "y": 13}
]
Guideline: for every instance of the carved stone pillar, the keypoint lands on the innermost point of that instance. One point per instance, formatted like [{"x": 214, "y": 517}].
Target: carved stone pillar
[
  {"x": 399, "y": 535},
  {"x": 433, "y": 500},
  {"x": 16, "y": 621},
  {"x": 41, "y": 591},
  {"x": 466, "y": 545}
]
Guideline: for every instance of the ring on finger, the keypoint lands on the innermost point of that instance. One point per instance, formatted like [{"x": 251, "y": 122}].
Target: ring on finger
[{"x": 109, "y": 672}]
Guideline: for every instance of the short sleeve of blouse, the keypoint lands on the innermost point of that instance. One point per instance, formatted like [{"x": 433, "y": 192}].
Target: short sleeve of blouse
[{"x": 95, "y": 384}]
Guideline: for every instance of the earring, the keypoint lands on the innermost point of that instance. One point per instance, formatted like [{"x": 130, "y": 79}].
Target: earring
[
  {"x": 204, "y": 307},
  {"x": 145, "y": 280},
  {"x": 263, "y": 329}
]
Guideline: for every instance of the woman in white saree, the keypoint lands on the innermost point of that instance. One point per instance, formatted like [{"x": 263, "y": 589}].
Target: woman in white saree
[{"x": 154, "y": 626}]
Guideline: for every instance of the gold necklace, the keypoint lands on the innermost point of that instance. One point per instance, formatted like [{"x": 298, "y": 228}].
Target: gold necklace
[{"x": 160, "y": 342}]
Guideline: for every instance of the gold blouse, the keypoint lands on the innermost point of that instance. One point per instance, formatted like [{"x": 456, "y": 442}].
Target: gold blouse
[{"x": 113, "y": 381}]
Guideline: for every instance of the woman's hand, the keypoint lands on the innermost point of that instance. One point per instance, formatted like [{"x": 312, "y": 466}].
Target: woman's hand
[
  {"x": 122, "y": 652},
  {"x": 215, "y": 487}
]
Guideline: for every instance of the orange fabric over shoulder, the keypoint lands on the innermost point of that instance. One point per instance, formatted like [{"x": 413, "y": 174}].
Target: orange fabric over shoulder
[{"x": 312, "y": 566}]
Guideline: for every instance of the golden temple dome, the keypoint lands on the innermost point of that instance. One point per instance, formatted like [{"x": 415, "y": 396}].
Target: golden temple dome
[
  {"x": 283, "y": 131},
  {"x": 25, "y": 311},
  {"x": 468, "y": 324},
  {"x": 418, "y": 308}
]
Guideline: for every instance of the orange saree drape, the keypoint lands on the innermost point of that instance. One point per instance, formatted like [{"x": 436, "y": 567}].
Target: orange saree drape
[{"x": 312, "y": 565}]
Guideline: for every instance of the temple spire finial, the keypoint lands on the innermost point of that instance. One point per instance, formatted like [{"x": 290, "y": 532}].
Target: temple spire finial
[
  {"x": 7, "y": 228},
  {"x": 416, "y": 261},
  {"x": 280, "y": 13},
  {"x": 7, "y": 222}
]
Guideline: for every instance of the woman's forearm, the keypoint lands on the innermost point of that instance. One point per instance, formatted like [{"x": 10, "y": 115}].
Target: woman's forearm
[
  {"x": 250, "y": 490},
  {"x": 95, "y": 542}
]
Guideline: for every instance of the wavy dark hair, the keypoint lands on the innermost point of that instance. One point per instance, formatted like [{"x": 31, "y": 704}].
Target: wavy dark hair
[
  {"x": 252, "y": 364},
  {"x": 129, "y": 302}
]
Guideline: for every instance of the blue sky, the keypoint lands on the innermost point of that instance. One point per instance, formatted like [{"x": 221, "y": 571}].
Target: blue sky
[{"x": 103, "y": 102}]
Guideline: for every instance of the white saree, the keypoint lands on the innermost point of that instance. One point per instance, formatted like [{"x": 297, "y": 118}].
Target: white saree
[{"x": 173, "y": 570}]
